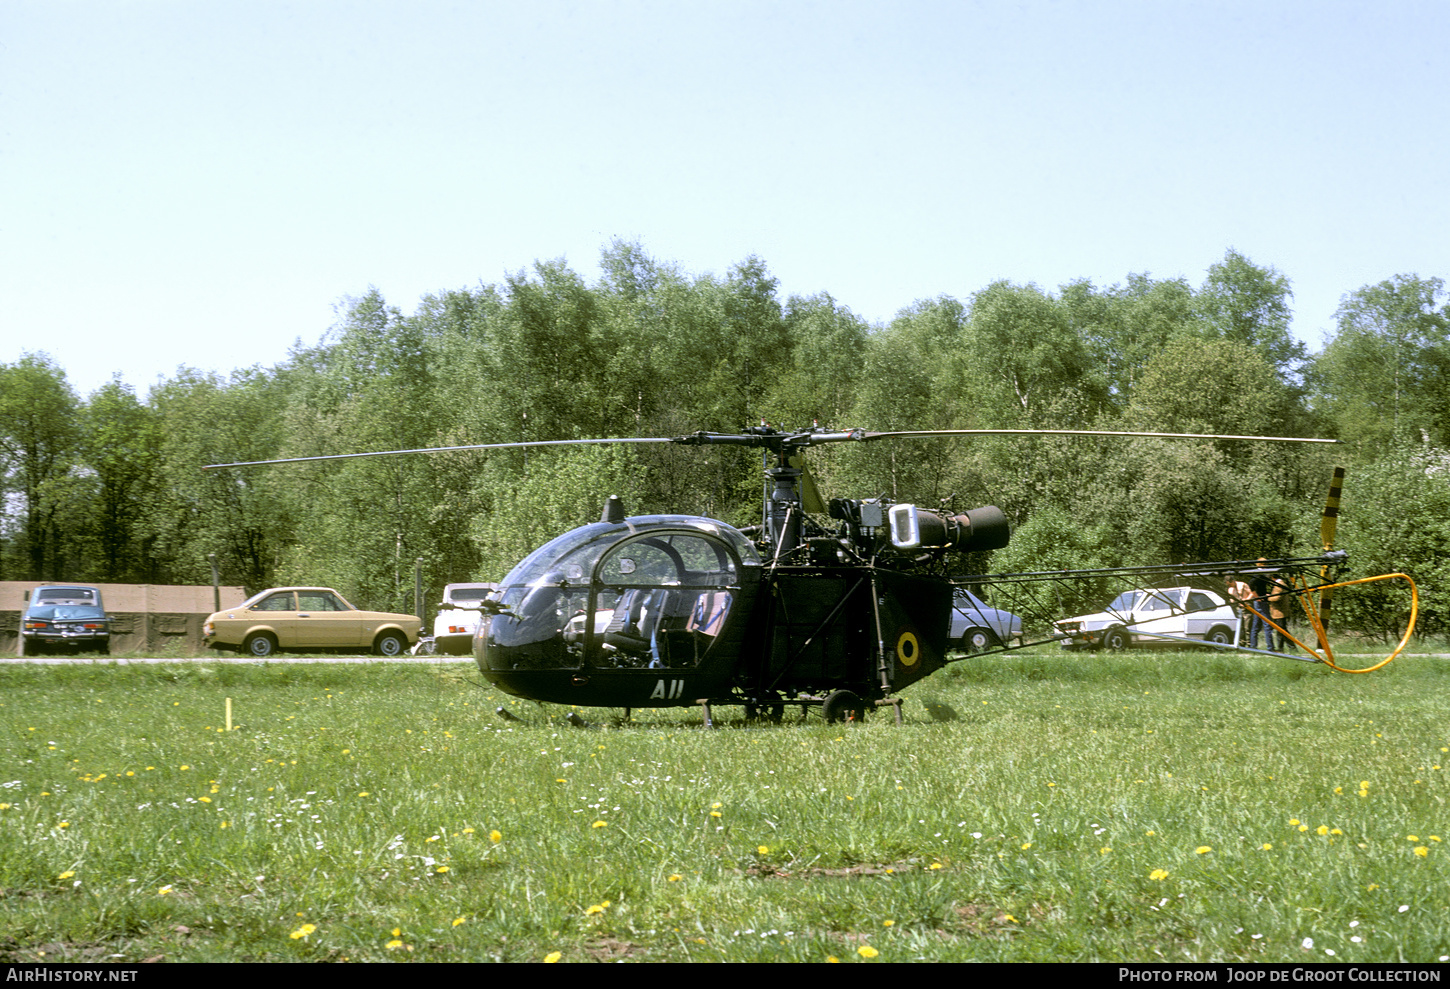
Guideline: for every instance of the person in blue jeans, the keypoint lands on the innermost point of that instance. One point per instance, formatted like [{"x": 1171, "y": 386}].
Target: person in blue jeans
[{"x": 1262, "y": 584}]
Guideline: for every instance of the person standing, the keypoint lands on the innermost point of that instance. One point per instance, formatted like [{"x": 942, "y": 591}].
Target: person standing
[
  {"x": 1279, "y": 609},
  {"x": 1238, "y": 593},
  {"x": 1260, "y": 582}
]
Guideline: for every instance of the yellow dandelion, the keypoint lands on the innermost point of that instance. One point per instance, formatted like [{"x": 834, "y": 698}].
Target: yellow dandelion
[
  {"x": 442, "y": 869},
  {"x": 1026, "y": 845},
  {"x": 495, "y": 837},
  {"x": 164, "y": 890},
  {"x": 934, "y": 865},
  {"x": 1322, "y": 829},
  {"x": 1202, "y": 850},
  {"x": 674, "y": 877},
  {"x": 600, "y": 824},
  {"x": 888, "y": 923},
  {"x": 1105, "y": 849},
  {"x": 762, "y": 849},
  {"x": 1293, "y": 821},
  {"x": 302, "y": 931},
  {"x": 552, "y": 957},
  {"x": 1158, "y": 874},
  {"x": 866, "y": 951},
  {"x": 67, "y": 874},
  {"x": 597, "y": 908},
  {"x": 716, "y": 805},
  {"x": 457, "y": 921},
  {"x": 393, "y": 945},
  {"x": 1266, "y": 847},
  {"x": 1421, "y": 851},
  {"x": 714, "y": 813},
  {"x": 1410, "y": 837}
]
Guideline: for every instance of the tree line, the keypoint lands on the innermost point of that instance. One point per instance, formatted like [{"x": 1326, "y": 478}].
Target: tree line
[{"x": 109, "y": 487}]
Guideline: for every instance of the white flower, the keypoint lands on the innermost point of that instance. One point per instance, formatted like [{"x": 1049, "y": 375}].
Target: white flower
[{"x": 1308, "y": 943}]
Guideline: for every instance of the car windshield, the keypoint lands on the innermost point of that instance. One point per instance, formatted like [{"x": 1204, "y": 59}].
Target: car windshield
[{"x": 1123, "y": 602}]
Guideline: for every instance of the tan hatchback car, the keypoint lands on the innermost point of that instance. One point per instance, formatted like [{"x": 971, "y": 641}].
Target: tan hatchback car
[{"x": 307, "y": 618}]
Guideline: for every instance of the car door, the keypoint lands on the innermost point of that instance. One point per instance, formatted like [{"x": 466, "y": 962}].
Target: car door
[
  {"x": 278, "y": 612},
  {"x": 1160, "y": 612},
  {"x": 325, "y": 622}
]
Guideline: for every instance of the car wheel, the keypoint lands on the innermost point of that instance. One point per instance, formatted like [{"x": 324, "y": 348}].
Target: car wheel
[
  {"x": 1221, "y": 635},
  {"x": 1116, "y": 639},
  {"x": 390, "y": 644},
  {"x": 260, "y": 645},
  {"x": 844, "y": 705},
  {"x": 979, "y": 640}
]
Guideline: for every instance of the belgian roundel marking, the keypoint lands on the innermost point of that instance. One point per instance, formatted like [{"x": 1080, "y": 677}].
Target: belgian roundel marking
[{"x": 908, "y": 650}]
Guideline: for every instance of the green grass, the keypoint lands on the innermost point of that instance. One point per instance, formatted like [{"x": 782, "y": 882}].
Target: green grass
[{"x": 349, "y": 815}]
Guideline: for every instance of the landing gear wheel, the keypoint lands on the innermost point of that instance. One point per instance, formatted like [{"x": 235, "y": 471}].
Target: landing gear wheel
[
  {"x": 979, "y": 639},
  {"x": 843, "y": 705}
]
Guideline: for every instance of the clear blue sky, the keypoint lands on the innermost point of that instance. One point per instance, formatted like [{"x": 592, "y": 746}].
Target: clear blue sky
[{"x": 203, "y": 182}]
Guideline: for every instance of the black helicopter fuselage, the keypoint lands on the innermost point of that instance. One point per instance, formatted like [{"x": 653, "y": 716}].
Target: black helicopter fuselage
[{"x": 669, "y": 610}]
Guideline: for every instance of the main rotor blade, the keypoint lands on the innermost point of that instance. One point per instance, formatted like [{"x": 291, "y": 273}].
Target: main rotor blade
[
  {"x": 1084, "y": 432},
  {"x": 438, "y": 449}
]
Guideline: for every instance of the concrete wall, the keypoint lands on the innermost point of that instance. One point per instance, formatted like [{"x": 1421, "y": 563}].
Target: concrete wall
[{"x": 144, "y": 617}]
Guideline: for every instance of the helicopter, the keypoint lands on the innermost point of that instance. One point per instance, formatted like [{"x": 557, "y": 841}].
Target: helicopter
[{"x": 666, "y": 610}]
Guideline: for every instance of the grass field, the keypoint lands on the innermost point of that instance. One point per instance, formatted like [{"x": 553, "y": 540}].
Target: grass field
[{"x": 1183, "y": 807}]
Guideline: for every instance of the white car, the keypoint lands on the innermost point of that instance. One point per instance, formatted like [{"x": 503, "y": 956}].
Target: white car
[
  {"x": 458, "y": 617},
  {"x": 1161, "y": 616},
  {"x": 976, "y": 626}
]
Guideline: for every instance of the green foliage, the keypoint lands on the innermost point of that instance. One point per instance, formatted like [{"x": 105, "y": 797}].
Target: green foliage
[
  {"x": 555, "y": 492},
  {"x": 1393, "y": 521},
  {"x": 1382, "y": 377},
  {"x": 108, "y": 488},
  {"x": 1246, "y": 304},
  {"x": 39, "y": 433}
]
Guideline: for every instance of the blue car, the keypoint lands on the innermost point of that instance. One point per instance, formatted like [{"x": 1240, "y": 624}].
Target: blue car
[
  {"x": 70, "y": 616},
  {"x": 976, "y": 626}
]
